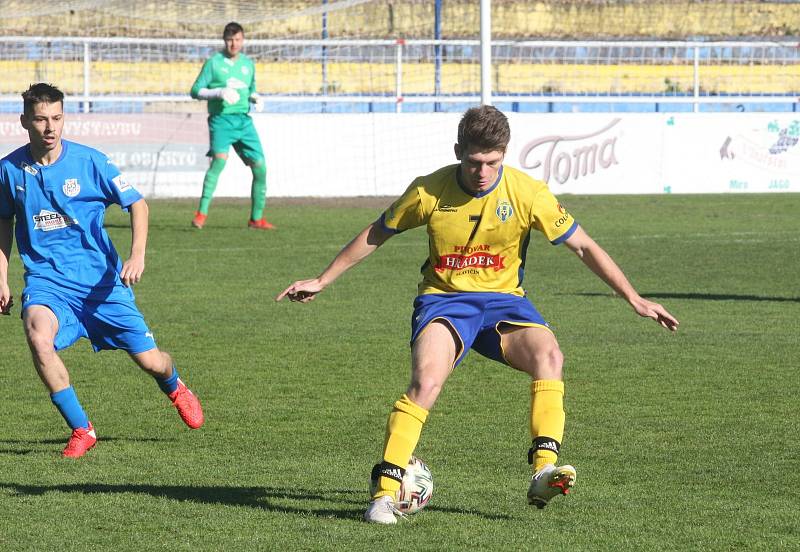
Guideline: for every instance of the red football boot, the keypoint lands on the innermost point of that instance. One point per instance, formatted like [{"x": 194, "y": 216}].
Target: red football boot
[
  {"x": 261, "y": 224},
  {"x": 199, "y": 220},
  {"x": 81, "y": 440},
  {"x": 188, "y": 406}
]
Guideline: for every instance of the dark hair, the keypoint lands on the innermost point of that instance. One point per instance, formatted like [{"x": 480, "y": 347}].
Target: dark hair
[
  {"x": 40, "y": 93},
  {"x": 231, "y": 29},
  {"x": 484, "y": 127}
]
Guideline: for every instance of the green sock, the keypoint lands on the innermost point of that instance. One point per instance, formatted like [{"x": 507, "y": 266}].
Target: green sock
[
  {"x": 258, "y": 193},
  {"x": 210, "y": 183}
]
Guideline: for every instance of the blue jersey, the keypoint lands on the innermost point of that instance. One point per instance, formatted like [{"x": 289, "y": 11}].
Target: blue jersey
[{"x": 59, "y": 211}]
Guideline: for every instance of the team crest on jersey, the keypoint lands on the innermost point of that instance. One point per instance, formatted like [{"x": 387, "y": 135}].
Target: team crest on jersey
[
  {"x": 30, "y": 170},
  {"x": 71, "y": 187},
  {"x": 49, "y": 220},
  {"x": 504, "y": 210}
]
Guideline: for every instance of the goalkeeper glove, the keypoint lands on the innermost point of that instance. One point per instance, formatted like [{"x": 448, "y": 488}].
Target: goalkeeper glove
[
  {"x": 257, "y": 102},
  {"x": 230, "y": 96}
]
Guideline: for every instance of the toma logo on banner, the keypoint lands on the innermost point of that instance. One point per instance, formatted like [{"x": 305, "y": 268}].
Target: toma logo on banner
[{"x": 564, "y": 157}]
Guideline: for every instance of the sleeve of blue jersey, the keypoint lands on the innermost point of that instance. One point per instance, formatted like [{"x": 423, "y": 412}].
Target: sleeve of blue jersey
[
  {"x": 565, "y": 236},
  {"x": 114, "y": 185}
]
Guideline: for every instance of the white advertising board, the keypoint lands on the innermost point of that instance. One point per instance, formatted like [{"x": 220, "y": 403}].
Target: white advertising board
[{"x": 330, "y": 155}]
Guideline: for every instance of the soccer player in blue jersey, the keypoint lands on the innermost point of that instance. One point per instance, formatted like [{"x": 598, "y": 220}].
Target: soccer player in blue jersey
[
  {"x": 479, "y": 214},
  {"x": 56, "y": 193},
  {"x": 228, "y": 82}
]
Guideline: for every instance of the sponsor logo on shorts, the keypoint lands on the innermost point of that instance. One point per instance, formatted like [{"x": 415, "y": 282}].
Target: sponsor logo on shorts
[
  {"x": 48, "y": 220},
  {"x": 149, "y": 334},
  {"x": 71, "y": 187}
]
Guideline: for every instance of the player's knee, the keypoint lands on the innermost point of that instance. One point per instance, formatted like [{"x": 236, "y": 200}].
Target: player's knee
[
  {"x": 548, "y": 363},
  {"x": 258, "y": 168},
  {"x": 424, "y": 390},
  {"x": 39, "y": 342}
]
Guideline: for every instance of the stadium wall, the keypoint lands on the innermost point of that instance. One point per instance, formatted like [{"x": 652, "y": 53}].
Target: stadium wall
[
  {"x": 511, "y": 19},
  {"x": 345, "y": 155}
]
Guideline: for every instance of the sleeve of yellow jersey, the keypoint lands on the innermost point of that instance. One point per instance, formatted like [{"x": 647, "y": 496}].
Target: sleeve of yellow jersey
[
  {"x": 550, "y": 217},
  {"x": 406, "y": 212}
]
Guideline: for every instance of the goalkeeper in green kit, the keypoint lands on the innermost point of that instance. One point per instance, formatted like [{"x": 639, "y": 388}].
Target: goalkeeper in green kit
[{"x": 228, "y": 82}]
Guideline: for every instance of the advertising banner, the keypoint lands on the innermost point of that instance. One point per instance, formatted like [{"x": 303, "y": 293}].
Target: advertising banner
[{"x": 377, "y": 154}]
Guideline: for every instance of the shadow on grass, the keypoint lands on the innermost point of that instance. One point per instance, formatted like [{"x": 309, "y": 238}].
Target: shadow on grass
[
  {"x": 264, "y": 498},
  {"x": 698, "y": 296},
  {"x": 63, "y": 440},
  {"x": 60, "y": 443}
]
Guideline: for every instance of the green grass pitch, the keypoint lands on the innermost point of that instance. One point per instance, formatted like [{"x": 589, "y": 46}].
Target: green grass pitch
[{"x": 682, "y": 442}]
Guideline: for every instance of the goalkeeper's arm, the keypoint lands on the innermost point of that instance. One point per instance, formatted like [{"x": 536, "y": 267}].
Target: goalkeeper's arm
[{"x": 228, "y": 95}]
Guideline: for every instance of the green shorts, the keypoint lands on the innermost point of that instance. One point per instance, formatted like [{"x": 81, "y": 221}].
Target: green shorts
[{"x": 237, "y": 130}]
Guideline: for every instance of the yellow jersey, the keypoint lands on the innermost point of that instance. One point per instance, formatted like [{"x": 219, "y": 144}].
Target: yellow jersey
[{"x": 477, "y": 242}]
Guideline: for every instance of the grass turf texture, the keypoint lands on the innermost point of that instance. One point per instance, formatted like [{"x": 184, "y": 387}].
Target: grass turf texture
[{"x": 682, "y": 442}]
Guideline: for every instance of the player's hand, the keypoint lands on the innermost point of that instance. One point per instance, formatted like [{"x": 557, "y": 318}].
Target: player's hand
[
  {"x": 6, "y": 300},
  {"x": 257, "y": 102},
  {"x": 648, "y": 309},
  {"x": 132, "y": 271},
  {"x": 301, "y": 291}
]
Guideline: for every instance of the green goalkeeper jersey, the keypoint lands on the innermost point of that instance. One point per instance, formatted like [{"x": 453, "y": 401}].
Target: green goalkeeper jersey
[{"x": 220, "y": 71}]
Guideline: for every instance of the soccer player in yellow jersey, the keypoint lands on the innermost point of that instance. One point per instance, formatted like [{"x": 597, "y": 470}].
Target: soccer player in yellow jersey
[{"x": 478, "y": 214}]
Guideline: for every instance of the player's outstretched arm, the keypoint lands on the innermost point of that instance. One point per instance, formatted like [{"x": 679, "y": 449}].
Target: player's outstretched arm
[
  {"x": 228, "y": 95},
  {"x": 133, "y": 268},
  {"x": 6, "y": 236},
  {"x": 601, "y": 263},
  {"x": 360, "y": 247}
]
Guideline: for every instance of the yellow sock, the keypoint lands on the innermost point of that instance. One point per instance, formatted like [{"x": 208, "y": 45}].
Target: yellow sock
[
  {"x": 547, "y": 422},
  {"x": 402, "y": 433}
]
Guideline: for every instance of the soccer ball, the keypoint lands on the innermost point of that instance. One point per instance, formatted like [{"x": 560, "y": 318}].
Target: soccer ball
[{"x": 416, "y": 489}]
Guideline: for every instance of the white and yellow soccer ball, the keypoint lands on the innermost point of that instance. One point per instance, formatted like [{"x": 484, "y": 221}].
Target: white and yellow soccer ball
[{"x": 416, "y": 489}]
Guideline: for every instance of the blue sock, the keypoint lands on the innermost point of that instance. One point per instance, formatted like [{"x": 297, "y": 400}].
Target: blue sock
[
  {"x": 67, "y": 403},
  {"x": 170, "y": 384}
]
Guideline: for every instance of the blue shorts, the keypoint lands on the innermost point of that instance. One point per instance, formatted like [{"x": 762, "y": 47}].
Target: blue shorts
[
  {"x": 111, "y": 323},
  {"x": 476, "y": 318}
]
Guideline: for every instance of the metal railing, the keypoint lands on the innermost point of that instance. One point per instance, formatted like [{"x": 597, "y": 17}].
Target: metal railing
[{"x": 694, "y": 73}]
